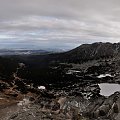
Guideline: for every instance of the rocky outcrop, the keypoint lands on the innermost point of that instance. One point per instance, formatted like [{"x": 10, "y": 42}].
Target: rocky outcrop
[{"x": 105, "y": 108}]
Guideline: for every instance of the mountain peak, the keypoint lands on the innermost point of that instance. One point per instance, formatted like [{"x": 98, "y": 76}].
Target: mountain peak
[{"x": 96, "y": 50}]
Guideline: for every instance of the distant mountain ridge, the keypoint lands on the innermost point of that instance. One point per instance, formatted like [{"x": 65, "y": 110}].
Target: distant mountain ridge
[
  {"x": 21, "y": 52},
  {"x": 92, "y": 51},
  {"x": 28, "y": 52}
]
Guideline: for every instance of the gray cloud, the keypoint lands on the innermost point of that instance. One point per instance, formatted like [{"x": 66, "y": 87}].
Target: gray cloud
[{"x": 58, "y": 23}]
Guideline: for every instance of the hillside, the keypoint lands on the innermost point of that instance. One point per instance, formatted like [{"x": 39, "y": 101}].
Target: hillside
[{"x": 93, "y": 51}]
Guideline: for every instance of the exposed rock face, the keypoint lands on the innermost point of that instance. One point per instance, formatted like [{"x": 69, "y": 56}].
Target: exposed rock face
[
  {"x": 3, "y": 85},
  {"x": 107, "y": 108},
  {"x": 73, "y": 108}
]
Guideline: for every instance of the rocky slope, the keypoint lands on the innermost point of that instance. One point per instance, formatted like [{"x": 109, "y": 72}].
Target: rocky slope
[
  {"x": 93, "y": 51},
  {"x": 61, "y": 86},
  {"x": 67, "y": 108}
]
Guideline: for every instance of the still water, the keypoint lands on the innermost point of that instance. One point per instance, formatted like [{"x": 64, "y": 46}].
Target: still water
[{"x": 108, "y": 89}]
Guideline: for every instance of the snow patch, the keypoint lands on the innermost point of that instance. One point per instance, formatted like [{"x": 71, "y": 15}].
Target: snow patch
[
  {"x": 72, "y": 71},
  {"x": 104, "y": 75},
  {"x": 41, "y": 87}
]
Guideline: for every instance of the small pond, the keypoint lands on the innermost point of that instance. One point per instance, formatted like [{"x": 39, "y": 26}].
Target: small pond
[{"x": 108, "y": 89}]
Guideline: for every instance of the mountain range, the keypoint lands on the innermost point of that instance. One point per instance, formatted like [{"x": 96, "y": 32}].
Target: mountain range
[
  {"x": 5, "y": 52},
  {"x": 93, "y": 51}
]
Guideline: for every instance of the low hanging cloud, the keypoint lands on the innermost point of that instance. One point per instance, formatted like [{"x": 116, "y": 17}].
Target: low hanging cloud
[{"x": 64, "y": 24}]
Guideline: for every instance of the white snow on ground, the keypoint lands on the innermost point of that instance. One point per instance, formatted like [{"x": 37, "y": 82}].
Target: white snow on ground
[
  {"x": 41, "y": 87},
  {"x": 72, "y": 71},
  {"x": 104, "y": 75}
]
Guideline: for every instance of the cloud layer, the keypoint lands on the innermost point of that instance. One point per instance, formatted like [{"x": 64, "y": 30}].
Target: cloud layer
[{"x": 64, "y": 24}]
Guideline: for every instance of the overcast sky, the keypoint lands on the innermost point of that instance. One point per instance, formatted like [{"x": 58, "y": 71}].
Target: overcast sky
[{"x": 63, "y": 24}]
